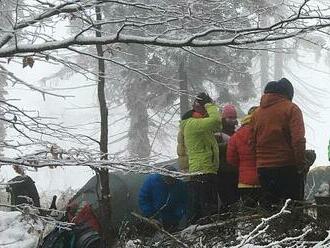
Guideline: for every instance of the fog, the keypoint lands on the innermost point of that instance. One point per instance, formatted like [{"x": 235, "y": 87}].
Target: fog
[{"x": 81, "y": 112}]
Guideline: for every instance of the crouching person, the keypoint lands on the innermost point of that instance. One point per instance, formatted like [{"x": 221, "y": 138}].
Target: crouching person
[{"x": 164, "y": 199}]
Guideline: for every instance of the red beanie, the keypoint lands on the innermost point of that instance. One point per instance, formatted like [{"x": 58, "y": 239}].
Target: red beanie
[{"x": 229, "y": 111}]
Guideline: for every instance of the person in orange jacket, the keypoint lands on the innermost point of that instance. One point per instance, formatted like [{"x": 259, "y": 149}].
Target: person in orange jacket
[{"x": 279, "y": 141}]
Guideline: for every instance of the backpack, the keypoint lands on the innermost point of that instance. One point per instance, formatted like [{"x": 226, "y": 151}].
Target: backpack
[
  {"x": 80, "y": 236},
  {"x": 58, "y": 238}
]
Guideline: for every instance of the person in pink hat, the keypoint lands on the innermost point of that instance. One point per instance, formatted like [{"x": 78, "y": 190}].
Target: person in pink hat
[
  {"x": 227, "y": 175},
  {"x": 229, "y": 119}
]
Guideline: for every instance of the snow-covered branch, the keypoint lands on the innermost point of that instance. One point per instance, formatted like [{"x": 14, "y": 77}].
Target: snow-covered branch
[
  {"x": 263, "y": 226},
  {"x": 168, "y": 26},
  {"x": 113, "y": 164}
]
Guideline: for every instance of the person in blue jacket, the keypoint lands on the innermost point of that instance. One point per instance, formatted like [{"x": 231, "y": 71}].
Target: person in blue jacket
[{"x": 163, "y": 198}]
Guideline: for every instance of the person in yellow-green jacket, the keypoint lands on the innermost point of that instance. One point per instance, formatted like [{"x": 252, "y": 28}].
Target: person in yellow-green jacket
[{"x": 203, "y": 155}]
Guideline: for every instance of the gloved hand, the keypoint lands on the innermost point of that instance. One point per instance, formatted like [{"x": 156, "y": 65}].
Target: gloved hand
[
  {"x": 309, "y": 159},
  {"x": 303, "y": 169},
  {"x": 203, "y": 98}
]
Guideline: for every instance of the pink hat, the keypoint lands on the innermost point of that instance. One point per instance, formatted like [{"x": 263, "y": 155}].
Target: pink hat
[{"x": 229, "y": 111}]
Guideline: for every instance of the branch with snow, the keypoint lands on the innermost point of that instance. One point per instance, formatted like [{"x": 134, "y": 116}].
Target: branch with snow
[
  {"x": 263, "y": 226},
  {"x": 114, "y": 164},
  {"x": 305, "y": 18}
]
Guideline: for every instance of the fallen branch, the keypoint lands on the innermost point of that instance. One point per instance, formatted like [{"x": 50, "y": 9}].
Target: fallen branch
[
  {"x": 157, "y": 227},
  {"x": 197, "y": 228}
]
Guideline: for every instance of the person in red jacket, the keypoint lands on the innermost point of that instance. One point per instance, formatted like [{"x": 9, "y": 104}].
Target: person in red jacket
[
  {"x": 279, "y": 141},
  {"x": 240, "y": 153}
]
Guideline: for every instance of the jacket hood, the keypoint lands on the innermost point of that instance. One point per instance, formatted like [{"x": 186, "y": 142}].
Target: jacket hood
[
  {"x": 270, "y": 99},
  {"x": 246, "y": 120}
]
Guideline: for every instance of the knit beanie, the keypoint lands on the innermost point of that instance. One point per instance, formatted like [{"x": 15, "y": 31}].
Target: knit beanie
[
  {"x": 229, "y": 111},
  {"x": 283, "y": 87}
]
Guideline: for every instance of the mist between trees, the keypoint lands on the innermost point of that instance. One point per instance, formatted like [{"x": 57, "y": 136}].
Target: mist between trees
[{"x": 147, "y": 60}]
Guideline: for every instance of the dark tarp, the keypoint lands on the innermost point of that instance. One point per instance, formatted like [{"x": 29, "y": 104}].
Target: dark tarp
[{"x": 124, "y": 189}]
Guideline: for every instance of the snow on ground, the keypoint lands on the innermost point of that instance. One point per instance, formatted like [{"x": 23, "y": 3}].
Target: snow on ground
[{"x": 18, "y": 231}]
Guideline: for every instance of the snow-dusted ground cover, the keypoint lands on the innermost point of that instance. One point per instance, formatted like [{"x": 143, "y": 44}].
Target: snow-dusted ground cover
[
  {"x": 17, "y": 230},
  {"x": 286, "y": 228}
]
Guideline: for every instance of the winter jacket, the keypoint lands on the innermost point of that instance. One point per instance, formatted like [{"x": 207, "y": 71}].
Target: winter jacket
[
  {"x": 83, "y": 214},
  {"x": 200, "y": 142},
  {"x": 240, "y": 153},
  {"x": 278, "y": 132},
  {"x": 182, "y": 153},
  {"x": 181, "y": 148},
  {"x": 21, "y": 188},
  {"x": 166, "y": 202}
]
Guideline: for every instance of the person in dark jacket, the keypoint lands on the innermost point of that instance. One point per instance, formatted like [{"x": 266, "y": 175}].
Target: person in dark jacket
[
  {"x": 227, "y": 175},
  {"x": 240, "y": 154},
  {"x": 279, "y": 141},
  {"x": 23, "y": 190},
  {"x": 163, "y": 198},
  {"x": 229, "y": 119}
]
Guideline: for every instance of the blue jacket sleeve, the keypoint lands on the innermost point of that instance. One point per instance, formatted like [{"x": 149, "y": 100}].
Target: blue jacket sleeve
[{"x": 145, "y": 198}]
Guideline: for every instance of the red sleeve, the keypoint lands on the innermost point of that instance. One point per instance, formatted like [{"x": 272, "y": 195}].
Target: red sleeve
[
  {"x": 297, "y": 132},
  {"x": 253, "y": 140},
  {"x": 232, "y": 153}
]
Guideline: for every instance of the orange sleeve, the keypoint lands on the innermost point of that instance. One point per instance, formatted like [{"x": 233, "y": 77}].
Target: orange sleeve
[
  {"x": 297, "y": 133},
  {"x": 253, "y": 140}
]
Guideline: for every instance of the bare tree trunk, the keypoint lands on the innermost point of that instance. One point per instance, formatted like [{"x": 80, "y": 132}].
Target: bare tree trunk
[
  {"x": 264, "y": 61},
  {"x": 3, "y": 84},
  {"x": 184, "y": 101},
  {"x": 138, "y": 140},
  {"x": 278, "y": 62},
  {"x": 105, "y": 203}
]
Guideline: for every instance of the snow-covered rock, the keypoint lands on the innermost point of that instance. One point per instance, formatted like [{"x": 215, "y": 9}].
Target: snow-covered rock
[
  {"x": 323, "y": 190},
  {"x": 17, "y": 230}
]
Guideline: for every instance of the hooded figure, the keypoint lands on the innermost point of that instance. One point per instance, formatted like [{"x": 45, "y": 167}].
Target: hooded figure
[
  {"x": 279, "y": 142},
  {"x": 164, "y": 198}
]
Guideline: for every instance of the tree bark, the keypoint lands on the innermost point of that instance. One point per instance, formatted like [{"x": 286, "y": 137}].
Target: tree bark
[
  {"x": 184, "y": 101},
  {"x": 264, "y": 61},
  {"x": 138, "y": 140},
  {"x": 103, "y": 174}
]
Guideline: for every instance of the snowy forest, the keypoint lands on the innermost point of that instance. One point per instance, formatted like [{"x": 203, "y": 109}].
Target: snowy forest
[{"x": 93, "y": 94}]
